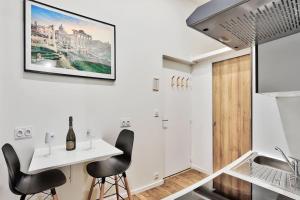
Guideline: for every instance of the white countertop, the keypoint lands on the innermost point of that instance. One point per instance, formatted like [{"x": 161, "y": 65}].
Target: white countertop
[
  {"x": 228, "y": 170},
  {"x": 60, "y": 157}
]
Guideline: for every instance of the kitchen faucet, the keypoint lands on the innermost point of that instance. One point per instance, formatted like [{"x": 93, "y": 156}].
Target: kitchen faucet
[{"x": 294, "y": 165}]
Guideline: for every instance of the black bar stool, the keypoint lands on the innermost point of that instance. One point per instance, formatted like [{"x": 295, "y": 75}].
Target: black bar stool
[
  {"x": 113, "y": 167},
  {"x": 25, "y": 184}
]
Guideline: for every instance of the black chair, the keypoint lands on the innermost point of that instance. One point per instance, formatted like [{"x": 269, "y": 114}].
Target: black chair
[
  {"x": 113, "y": 167},
  {"x": 25, "y": 184}
]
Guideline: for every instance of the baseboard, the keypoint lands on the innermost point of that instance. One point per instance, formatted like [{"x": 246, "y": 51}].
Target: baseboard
[
  {"x": 139, "y": 190},
  {"x": 148, "y": 187},
  {"x": 196, "y": 167}
]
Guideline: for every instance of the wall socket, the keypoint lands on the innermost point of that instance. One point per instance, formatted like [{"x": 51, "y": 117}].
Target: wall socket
[
  {"x": 156, "y": 176},
  {"x": 23, "y": 133},
  {"x": 125, "y": 122}
]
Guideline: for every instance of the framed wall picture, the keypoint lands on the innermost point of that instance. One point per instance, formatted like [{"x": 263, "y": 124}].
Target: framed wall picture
[{"x": 64, "y": 43}]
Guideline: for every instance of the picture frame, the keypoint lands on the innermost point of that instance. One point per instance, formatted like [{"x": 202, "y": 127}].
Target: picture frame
[{"x": 61, "y": 42}]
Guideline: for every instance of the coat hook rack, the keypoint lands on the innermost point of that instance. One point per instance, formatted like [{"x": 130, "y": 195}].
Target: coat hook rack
[
  {"x": 182, "y": 82},
  {"x": 172, "y": 81},
  {"x": 178, "y": 81}
]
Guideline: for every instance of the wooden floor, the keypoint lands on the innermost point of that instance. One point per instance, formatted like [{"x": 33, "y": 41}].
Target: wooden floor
[{"x": 172, "y": 185}]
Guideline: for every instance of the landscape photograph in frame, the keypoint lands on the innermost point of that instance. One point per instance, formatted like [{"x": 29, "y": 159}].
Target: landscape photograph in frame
[{"x": 64, "y": 43}]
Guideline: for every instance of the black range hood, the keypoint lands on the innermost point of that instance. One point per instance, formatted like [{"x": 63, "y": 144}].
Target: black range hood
[{"x": 241, "y": 24}]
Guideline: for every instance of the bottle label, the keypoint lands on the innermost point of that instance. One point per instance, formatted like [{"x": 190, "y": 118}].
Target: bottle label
[{"x": 70, "y": 145}]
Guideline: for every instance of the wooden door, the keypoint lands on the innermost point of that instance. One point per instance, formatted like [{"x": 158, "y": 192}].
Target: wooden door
[{"x": 232, "y": 134}]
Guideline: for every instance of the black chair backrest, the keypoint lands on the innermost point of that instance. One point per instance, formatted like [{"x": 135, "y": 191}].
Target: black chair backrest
[
  {"x": 125, "y": 143},
  {"x": 13, "y": 166}
]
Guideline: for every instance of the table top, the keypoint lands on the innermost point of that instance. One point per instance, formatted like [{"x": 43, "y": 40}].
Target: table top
[{"x": 60, "y": 157}]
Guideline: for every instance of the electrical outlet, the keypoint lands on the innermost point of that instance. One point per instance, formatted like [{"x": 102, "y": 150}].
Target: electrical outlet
[
  {"x": 19, "y": 133},
  {"x": 156, "y": 113},
  {"x": 156, "y": 176},
  {"x": 23, "y": 133},
  {"x": 128, "y": 123},
  {"x": 125, "y": 122}
]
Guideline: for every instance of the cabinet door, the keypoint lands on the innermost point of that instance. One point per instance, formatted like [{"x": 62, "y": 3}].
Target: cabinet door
[{"x": 278, "y": 65}]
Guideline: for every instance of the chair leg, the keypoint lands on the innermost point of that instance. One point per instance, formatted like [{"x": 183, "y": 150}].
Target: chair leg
[
  {"x": 102, "y": 189},
  {"x": 92, "y": 188},
  {"x": 127, "y": 186},
  {"x": 54, "y": 195},
  {"x": 117, "y": 187},
  {"x": 23, "y": 197}
]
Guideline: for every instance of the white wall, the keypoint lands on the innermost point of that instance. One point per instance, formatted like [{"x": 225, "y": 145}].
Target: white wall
[
  {"x": 276, "y": 123},
  {"x": 289, "y": 109},
  {"x": 145, "y": 31}
]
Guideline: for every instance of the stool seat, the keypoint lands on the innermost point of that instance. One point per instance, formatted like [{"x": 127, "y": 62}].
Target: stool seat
[
  {"x": 109, "y": 167},
  {"x": 36, "y": 183}
]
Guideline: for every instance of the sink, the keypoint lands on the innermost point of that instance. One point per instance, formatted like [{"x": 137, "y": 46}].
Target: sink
[
  {"x": 271, "y": 171},
  {"x": 271, "y": 162}
]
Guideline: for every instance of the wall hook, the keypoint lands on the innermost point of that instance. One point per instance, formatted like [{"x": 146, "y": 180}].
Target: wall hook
[
  {"x": 178, "y": 81},
  {"x": 187, "y": 83},
  {"x": 182, "y": 82},
  {"x": 172, "y": 81}
]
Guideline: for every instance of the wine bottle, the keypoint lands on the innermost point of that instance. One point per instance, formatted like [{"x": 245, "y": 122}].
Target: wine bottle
[{"x": 71, "y": 138}]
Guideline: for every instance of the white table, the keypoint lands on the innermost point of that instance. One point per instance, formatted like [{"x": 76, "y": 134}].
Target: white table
[{"x": 60, "y": 157}]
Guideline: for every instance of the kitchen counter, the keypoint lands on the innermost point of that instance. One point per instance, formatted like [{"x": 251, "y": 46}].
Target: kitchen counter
[
  {"x": 215, "y": 190},
  {"x": 232, "y": 170},
  {"x": 271, "y": 171}
]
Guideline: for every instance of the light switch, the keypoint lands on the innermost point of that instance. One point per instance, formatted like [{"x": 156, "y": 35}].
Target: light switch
[{"x": 155, "y": 86}]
